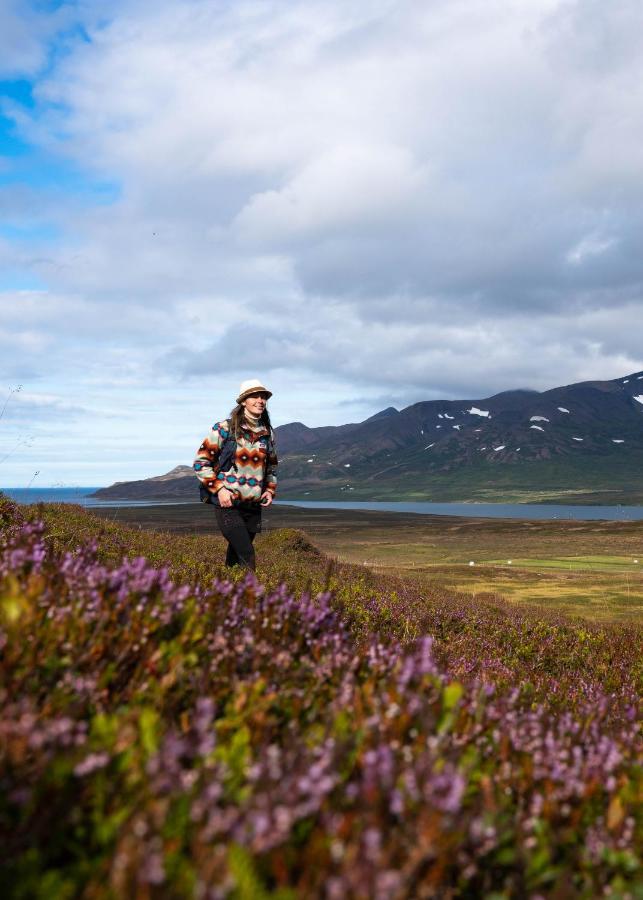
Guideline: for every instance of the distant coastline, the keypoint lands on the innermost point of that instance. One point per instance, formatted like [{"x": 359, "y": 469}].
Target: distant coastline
[
  {"x": 83, "y": 496},
  {"x": 471, "y": 509}
]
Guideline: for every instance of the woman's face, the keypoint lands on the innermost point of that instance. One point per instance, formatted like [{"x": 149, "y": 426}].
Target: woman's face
[{"x": 255, "y": 403}]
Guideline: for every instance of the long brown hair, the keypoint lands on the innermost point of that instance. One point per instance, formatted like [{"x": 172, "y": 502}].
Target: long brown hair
[{"x": 237, "y": 416}]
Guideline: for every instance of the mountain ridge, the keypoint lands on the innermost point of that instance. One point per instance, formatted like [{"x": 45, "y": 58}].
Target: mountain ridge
[{"x": 585, "y": 438}]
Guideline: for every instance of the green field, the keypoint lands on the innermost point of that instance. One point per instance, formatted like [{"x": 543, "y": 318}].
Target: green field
[{"x": 584, "y": 569}]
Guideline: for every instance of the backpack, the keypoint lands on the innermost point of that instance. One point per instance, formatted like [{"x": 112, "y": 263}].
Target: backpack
[{"x": 226, "y": 457}]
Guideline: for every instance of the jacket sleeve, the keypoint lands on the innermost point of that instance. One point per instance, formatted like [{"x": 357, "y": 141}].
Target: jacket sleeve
[
  {"x": 207, "y": 456},
  {"x": 270, "y": 481}
]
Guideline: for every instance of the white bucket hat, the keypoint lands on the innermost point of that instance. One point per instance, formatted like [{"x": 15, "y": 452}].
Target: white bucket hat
[{"x": 251, "y": 386}]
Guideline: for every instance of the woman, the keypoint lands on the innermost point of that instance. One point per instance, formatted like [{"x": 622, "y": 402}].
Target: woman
[{"x": 236, "y": 465}]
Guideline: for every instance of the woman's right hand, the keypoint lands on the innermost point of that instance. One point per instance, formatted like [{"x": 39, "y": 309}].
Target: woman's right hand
[{"x": 225, "y": 497}]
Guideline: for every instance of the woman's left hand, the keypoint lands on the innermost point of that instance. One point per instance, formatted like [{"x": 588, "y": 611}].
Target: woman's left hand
[{"x": 266, "y": 498}]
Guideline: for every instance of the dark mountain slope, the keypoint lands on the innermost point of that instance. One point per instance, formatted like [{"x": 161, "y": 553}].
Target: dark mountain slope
[{"x": 584, "y": 438}]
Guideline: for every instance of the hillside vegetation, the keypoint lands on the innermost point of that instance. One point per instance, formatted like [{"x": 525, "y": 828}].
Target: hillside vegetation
[
  {"x": 320, "y": 730},
  {"x": 592, "y": 569}
]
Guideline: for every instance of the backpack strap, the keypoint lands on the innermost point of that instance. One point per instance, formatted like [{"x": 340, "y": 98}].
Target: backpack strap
[
  {"x": 224, "y": 462},
  {"x": 271, "y": 451},
  {"x": 227, "y": 454}
]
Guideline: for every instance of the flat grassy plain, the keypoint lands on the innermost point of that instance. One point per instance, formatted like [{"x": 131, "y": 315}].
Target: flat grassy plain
[{"x": 590, "y": 569}]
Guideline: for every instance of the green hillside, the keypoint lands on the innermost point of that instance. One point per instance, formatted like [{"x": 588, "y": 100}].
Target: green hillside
[{"x": 609, "y": 478}]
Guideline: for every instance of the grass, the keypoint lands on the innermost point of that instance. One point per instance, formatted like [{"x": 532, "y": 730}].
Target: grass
[
  {"x": 582, "y": 569},
  {"x": 574, "y": 591},
  {"x": 605, "y": 586},
  {"x": 582, "y": 563}
]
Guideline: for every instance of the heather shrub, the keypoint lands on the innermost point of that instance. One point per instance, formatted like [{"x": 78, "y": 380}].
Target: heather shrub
[
  {"x": 208, "y": 737},
  {"x": 550, "y": 658}
]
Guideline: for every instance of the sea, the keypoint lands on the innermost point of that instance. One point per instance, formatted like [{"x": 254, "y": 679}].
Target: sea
[{"x": 81, "y": 496}]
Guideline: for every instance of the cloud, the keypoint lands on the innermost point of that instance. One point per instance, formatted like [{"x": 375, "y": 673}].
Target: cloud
[
  {"x": 22, "y": 39},
  {"x": 375, "y": 152},
  {"x": 25, "y": 407},
  {"x": 456, "y": 358},
  {"x": 379, "y": 186},
  {"x": 591, "y": 245},
  {"x": 409, "y": 200}
]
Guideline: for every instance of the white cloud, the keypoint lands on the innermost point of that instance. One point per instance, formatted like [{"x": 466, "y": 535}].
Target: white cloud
[
  {"x": 346, "y": 187},
  {"x": 592, "y": 245},
  {"x": 22, "y": 37},
  {"x": 394, "y": 199}
]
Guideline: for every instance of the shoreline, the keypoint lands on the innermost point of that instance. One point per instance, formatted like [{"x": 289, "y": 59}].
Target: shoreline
[
  {"x": 521, "y": 501},
  {"x": 482, "y": 510},
  {"x": 199, "y": 517}
]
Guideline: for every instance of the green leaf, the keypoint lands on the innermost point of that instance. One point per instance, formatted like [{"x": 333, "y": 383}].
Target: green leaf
[
  {"x": 147, "y": 723},
  {"x": 452, "y": 694}
]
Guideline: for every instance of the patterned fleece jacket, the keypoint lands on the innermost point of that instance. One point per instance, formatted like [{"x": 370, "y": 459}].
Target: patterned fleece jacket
[{"x": 255, "y": 463}]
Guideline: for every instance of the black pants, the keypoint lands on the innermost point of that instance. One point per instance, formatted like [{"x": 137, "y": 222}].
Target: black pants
[{"x": 239, "y": 526}]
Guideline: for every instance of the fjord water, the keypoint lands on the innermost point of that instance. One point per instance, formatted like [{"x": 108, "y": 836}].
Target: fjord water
[
  {"x": 78, "y": 495},
  {"x": 473, "y": 510},
  {"x": 484, "y": 510}
]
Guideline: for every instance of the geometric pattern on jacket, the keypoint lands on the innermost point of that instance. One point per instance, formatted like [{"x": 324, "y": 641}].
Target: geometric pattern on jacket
[{"x": 254, "y": 458}]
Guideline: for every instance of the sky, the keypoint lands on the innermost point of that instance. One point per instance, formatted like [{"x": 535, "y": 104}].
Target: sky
[{"x": 362, "y": 205}]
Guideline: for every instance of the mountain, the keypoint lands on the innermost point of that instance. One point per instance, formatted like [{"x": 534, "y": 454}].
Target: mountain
[
  {"x": 177, "y": 484},
  {"x": 385, "y": 413},
  {"x": 581, "y": 442}
]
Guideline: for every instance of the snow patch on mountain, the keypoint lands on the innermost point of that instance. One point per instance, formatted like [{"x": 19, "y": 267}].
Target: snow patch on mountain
[
  {"x": 539, "y": 419},
  {"x": 474, "y": 411},
  {"x": 562, "y": 409},
  {"x": 537, "y": 427}
]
